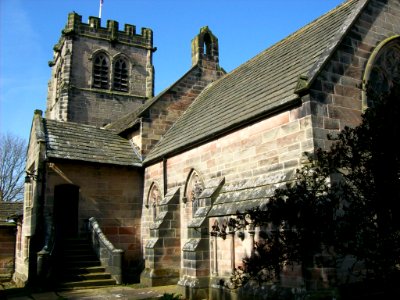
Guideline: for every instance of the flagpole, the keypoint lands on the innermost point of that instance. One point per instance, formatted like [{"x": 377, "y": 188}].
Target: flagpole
[{"x": 101, "y": 6}]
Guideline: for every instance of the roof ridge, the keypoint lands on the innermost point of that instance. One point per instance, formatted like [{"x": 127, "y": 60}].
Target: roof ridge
[
  {"x": 265, "y": 93},
  {"x": 292, "y": 35}
]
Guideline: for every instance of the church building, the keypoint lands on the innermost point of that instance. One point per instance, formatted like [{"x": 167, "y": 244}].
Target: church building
[{"x": 144, "y": 178}]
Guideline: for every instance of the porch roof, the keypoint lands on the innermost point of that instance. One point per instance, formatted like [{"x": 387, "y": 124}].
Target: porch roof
[{"x": 73, "y": 141}]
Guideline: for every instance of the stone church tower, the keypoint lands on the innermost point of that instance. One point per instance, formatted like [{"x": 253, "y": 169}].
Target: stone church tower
[
  {"x": 165, "y": 179},
  {"x": 98, "y": 73}
]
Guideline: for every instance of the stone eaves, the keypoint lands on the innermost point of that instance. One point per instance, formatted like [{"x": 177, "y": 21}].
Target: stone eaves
[
  {"x": 244, "y": 195},
  {"x": 261, "y": 86},
  {"x": 205, "y": 200}
]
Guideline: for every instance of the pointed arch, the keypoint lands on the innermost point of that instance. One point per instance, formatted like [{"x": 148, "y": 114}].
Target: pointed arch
[
  {"x": 121, "y": 67},
  {"x": 153, "y": 200},
  {"x": 205, "y": 47},
  {"x": 193, "y": 188},
  {"x": 382, "y": 70},
  {"x": 100, "y": 70},
  {"x": 207, "y": 44}
]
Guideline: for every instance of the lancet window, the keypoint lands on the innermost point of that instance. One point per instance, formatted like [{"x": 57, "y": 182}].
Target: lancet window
[
  {"x": 101, "y": 71},
  {"x": 120, "y": 79},
  {"x": 154, "y": 200},
  {"x": 194, "y": 188}
]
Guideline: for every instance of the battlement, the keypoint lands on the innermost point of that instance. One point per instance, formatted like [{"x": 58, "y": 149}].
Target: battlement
[{"x": 93, "y": 29}]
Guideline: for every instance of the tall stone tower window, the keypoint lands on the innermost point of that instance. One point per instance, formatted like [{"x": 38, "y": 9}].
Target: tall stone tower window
[
  {"x": 120, "y": 78},
  {"x": 101, "y": 71}
]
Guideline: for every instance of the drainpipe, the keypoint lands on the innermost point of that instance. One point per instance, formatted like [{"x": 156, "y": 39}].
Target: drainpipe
[{"x": 165, "y": 181}]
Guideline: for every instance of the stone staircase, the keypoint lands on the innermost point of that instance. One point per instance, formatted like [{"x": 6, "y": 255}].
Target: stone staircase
[{"x": 79, "y": 268}]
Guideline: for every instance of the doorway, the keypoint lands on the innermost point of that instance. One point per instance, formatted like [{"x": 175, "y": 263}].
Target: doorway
[{"x": 66, "y": 201}]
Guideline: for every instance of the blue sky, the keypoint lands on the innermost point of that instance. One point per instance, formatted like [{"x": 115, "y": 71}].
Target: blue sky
[{"x": 30, "y": 28}]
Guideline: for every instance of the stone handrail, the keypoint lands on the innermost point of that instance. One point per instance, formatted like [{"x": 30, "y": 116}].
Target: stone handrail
[{"x": 109, "y": 256}]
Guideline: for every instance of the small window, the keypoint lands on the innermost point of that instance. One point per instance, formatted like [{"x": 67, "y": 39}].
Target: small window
[
  {"x": 153, "y": 201},
  {"x": 120, "y": 75},
  {"x": 100, "y": 72},
  {"x": 194, "y": 188}
]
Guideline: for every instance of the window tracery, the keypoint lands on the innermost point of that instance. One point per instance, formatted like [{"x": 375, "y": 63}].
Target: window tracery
[
  {"x": 120, "y": 77},
  {"x": 101, "y": 71},
  {"x": 194, "y": 188},
  {"x": 383, "y": 70},
  {"x": 154, "y": 201}
]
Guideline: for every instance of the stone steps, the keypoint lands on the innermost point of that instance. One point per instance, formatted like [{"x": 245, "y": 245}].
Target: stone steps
[
  {"x": 86, "y": 284},
  {"x": 79, "y": 268}
]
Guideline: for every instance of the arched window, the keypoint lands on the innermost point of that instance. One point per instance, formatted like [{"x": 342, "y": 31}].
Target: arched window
[
  {"x": 101, "y": 71},
  {"x": 194, "y": 188},
  {"x": 207, "y": 44},
  {"x": 153, "y": 200},
  {"x": 120, "y": 79},
  {"x": 383, "y": 70}
]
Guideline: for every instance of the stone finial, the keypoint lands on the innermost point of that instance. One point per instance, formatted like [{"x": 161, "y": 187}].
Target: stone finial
[{"x": 38, "y": 112}]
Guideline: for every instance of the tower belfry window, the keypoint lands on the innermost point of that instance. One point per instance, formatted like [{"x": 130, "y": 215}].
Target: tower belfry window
[
  {"x": 100, "y": 72},
  {"x": 120, "y": 80},
  {"x": 207, "y": 44}
]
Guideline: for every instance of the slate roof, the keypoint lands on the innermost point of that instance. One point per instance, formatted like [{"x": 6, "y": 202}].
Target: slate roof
[
  {"x": 9, "y": 209},
  {"x": 262, "y": 85},
  {"x": 72, "y": 141}
]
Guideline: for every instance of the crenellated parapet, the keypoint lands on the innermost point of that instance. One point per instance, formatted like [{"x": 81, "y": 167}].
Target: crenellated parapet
[
  {"x": 90, "y": 60},
  {"x": 111, "y": 33}
]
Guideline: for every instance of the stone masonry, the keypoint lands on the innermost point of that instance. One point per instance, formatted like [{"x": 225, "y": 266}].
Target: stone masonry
[
  {"x": 71, "y": 96},
  {"x": 165, "y": 172}
]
